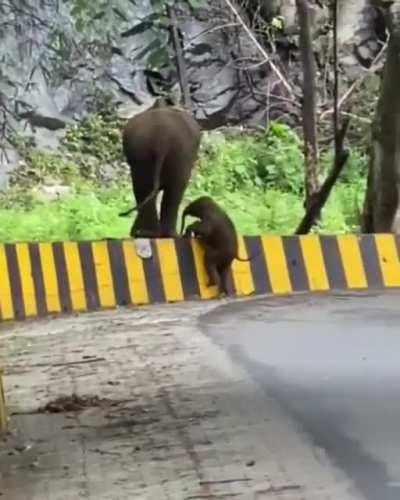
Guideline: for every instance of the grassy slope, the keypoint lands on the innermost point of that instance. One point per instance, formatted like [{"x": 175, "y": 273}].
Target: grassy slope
[{"x": 258, "y": 179}]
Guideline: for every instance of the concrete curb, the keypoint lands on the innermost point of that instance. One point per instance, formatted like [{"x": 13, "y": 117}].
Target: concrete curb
[
  {"x": 50, "y": 278},
  {"x": 3, "y": 407}
]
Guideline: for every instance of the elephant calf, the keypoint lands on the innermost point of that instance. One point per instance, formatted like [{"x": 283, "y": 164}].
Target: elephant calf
[
  {"x": 161, "y": 146},
  {"x": 217, "y": 234}
]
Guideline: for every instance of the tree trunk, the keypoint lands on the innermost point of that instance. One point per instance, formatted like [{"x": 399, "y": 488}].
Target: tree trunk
[
  {"x": 180, "y": 60},
  {"x": 309, "y": 103},
  {"x": 381, "y": 206}
]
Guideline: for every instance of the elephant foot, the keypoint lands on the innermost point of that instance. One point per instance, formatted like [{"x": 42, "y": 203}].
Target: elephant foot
[
  {"x": 169, "y": 234},
  {"x": 144, "y": 234}
]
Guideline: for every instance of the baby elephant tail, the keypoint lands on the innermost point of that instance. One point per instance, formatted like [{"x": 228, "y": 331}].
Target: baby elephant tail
[{"x": 249, "y": 259}]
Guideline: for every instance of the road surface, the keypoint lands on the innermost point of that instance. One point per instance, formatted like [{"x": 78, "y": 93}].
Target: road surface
[
  {"x": 333, "y": 365},
  {"x": 293, "y": 398}
]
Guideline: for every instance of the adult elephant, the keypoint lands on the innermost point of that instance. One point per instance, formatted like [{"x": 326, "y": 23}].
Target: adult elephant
[{"x": 161, "y": 146}]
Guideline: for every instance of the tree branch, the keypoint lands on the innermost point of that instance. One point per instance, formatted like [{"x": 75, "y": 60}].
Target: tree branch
[
  {"x": 375, "y": 66},
  {"x": 260, "y": 48},
  {"x": 322, "y": 196}
]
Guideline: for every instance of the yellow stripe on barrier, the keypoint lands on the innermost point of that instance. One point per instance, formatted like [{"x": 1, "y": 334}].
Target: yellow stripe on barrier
[
  {"x": 104, "y": 279},
  {"x": 352, "y": 261},
  {"x": 169, "y": 268},
  {"x": 6, "y": 304},
  {"x": 276, "y": 264},
  {"x": 388, "y": 259},
  {"x": 206, "y": 292},
  {"x": 49, "y": 277},
  {"x": 323, "y": 259},
  {"x": 241, "y": 271},
  {"x": 74, "y": 270},
  {"x": 27, "y": 285},
  {"x": 314, "y": 263},
  {"x": 135, "y": 273}
]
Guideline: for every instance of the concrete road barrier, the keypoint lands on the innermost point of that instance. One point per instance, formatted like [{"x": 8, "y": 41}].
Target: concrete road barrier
[
  {"x": 50, "y": 278},
  {"x": 3, "y": 408}
]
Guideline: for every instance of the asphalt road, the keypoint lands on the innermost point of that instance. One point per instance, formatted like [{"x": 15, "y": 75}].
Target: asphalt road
[
  {"x": 333, "y": 364},
  {"x": 293, "y": 398}
]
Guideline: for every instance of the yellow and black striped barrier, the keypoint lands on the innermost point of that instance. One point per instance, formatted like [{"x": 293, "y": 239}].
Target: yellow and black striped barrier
[
  {"x": 3, "y": 408},
  {"x": 37, "y": 279}
]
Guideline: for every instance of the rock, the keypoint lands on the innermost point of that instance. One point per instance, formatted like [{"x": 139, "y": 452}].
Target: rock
[
  {"x": 50, "y": 84},
  {"x": 50, "y": 193}
]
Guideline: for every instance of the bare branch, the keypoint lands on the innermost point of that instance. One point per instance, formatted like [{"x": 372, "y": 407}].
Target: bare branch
[
  {"x": 375, "y": 66},
  {"x": 322, "y": 196},
  {"x": 260, "y": 48},
  {"x": 209, "y": 30}
]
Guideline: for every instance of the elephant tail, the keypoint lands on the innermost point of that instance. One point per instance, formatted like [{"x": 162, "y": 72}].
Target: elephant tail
[{"x": 124, "y": 214}]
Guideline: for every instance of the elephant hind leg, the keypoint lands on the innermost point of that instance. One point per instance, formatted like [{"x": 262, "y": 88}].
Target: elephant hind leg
[
  {"x": 146, "y": 224},
  {"x": 172, "y": 197},
  {"x": 211, "y": 269}
]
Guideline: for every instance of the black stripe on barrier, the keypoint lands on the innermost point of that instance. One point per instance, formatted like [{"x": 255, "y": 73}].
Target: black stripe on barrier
[
  {"x": 89, "y": 275},
  {"x": 333, "y": 262},
  {"x": 258, "y": 265},
  {"x": 295, "y": 263},
  {"x": 62, "y": 277},
  {"x": 38, "y": 281},
  {"x": 153, "y": 276},
  {"x": 370, "y": 260},
  {"x": 15, "y": 281},
  {"x": 118, "y": 272},
  {"x": 187, "y": 268}
]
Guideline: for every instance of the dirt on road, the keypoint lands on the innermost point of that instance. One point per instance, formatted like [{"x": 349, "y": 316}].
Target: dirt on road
[{"x": 140, "y": 404}]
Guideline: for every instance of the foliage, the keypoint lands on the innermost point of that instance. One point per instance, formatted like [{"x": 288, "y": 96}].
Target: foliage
[
  {"x": 89, "y": 149},
  {"x": 97, "y": 136},
  {"x": 257, "y": 177},
  {"x": 101, "y": 20}
]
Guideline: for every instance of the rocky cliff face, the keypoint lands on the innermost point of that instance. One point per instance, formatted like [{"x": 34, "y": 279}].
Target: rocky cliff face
[{"x": 51, "y": 75}]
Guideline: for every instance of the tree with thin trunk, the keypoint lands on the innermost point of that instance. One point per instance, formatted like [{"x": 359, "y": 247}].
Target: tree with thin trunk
[
  {"x": 320, "y": 197},
  {"x": 309, "y": 111},
  {"x": 381, "y": 206}
]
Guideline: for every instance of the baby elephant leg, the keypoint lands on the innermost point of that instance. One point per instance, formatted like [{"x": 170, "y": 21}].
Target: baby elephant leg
[
  {"x": 211, "y": 268},
  {"x": 201, "y": 229},
  {"x": 224, "y": 278}
]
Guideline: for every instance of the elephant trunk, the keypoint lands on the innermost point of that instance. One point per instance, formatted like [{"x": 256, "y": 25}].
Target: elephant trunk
[{"x": 184, "y": 214}]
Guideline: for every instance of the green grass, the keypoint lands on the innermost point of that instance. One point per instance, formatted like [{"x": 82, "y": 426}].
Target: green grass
[
  {"x": 258, "y": 179},
  {"x": 94, "y": 214}
]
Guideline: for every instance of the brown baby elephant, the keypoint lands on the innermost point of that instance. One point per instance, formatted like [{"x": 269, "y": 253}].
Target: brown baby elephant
[
  {"x": 161, "y": 147},
  {"x": 217, "y": 234}
]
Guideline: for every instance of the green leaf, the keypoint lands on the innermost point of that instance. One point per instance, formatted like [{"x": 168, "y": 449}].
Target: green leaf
[{"x": 196, "y": 4}]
